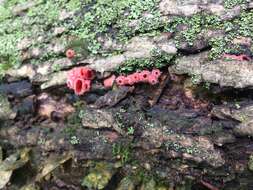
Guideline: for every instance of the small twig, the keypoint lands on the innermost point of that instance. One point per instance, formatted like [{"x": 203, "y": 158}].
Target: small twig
[
  {"x": 208, "y": 185},
  {"x": 156, "y": 97}
]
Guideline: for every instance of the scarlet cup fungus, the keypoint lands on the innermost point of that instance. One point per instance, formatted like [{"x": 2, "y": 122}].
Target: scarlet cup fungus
[
  {"x": 86, "y": 73},
  {"x": 70, "y": 53},
  {"x": 79, "y": 79},
  {"x": 120, "y": 80},
  {"x": 127, "y": 81},
  {"x": 136, "y": 77},
  {"x": 156, "y": 72},
  {"x": 241, "y": 57},
  {"x": 109, "y": 81},
  {"x": 245, "y": 58},
  {"x": 143, "y": 76},
  {"x": 78, "y": 86},
  {"x": 87, "y": 85},
  {"x": 152, "y": 79},
  {"x": 131, "y": 79}
]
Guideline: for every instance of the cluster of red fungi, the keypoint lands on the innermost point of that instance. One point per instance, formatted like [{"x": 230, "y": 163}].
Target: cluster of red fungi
[
  {"x": 144, "y": 76},
  {"x": 79, "y": 79}
]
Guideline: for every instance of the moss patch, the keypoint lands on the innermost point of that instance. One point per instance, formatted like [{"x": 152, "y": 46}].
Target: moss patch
[
  {"x": 241, "y": 26},
  {"x": 115, "y": 19},
  {"x": 118, "y": 20},
  {"x": 194, "y": 25},
  {"x": 232, "y": 3},
  {"x": 158, "y": 60}
]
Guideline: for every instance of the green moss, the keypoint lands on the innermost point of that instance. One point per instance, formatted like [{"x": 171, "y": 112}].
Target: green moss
[
  {"x": 12, "y": 30},
  {"x": 115, "y": 18},
  {"x": 47, "y": 13},
  {"x": 8, "y": 51},
  {"x": 4, "y": 13},
  {"x": 10, "y": 34},
  {"x": 244, "y": 24},
  {"x": 194, "y": 26},
  {"x": 158, "y": 60},
  {"x": 134, "y": 65},
  {"x": 119, "y": 20},
  {"x": 11, "y": 3},
  {"x": 123, "y": 152},
  {"x": 74, "y": 122},
  {"x": 5, "y": 8},
  {"x": 218, "y": 47},
  {"x": 73, "y": 5},
  {"x": 241, "y": 26},
  {"x": 231, "y": 3}
]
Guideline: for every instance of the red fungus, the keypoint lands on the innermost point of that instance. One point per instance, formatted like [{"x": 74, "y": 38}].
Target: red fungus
[
  {"x": 136, "y": 77},
  {"x": 86, "y": 85},
  {"x": 152, "y": 79},
  {"x": 86, "y": 73},
  {"x": 127, "y": 81},
  {"x": 156, "y": 72},
  {"x": 131, "y": 79},
  {"x": 120, "y": 80},
  {"x": 79, "y": 79},
  {"x": 144, "y": 75},
  {"x": 78, "y": 86},
  {"x": 109, "y": 81},
  {"x": 70, "y": 53},
  {"x": 245, "y": 58},
  {"x": 241, "y": 57}
]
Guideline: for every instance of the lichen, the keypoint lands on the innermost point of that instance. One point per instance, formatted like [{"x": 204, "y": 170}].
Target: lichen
[{"x": 99, "y": 176}]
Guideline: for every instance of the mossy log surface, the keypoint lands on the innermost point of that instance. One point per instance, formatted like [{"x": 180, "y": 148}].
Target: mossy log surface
[{"x": 191, "y": 131}]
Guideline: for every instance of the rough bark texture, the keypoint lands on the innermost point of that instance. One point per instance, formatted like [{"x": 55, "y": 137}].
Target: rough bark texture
[{"x": 193, "y": 130}]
